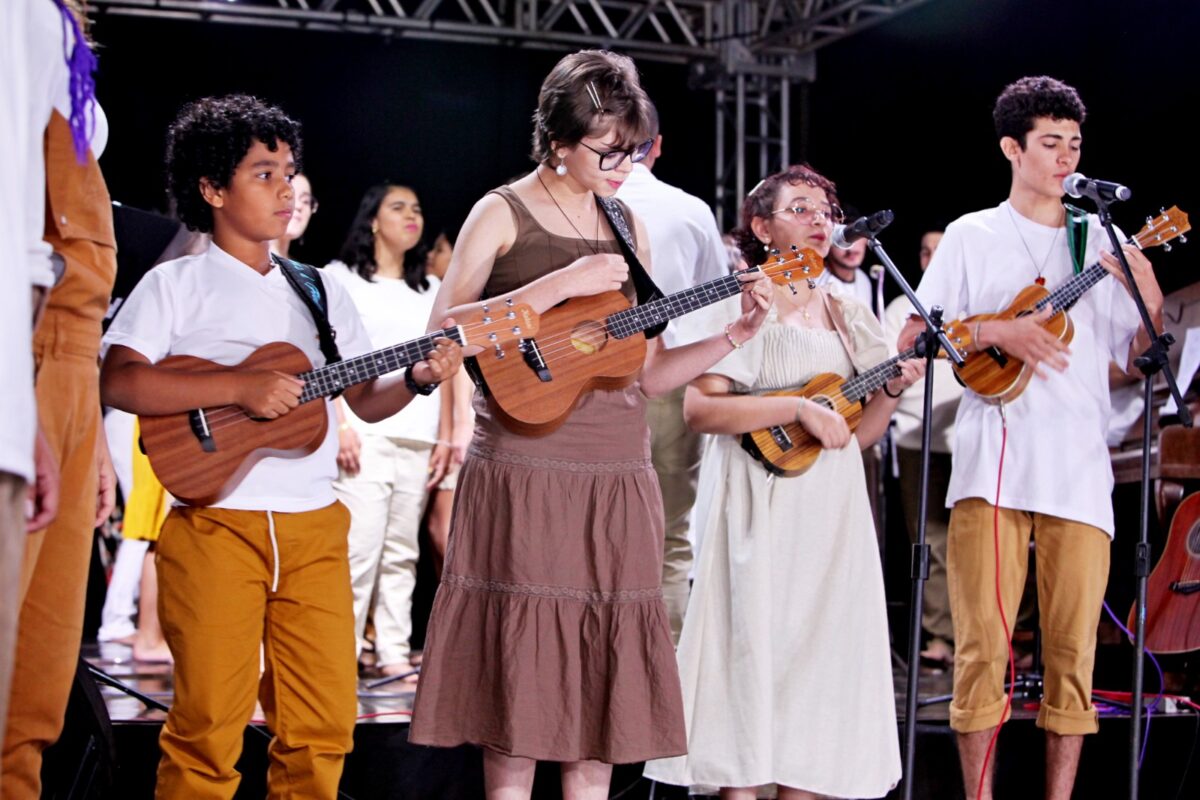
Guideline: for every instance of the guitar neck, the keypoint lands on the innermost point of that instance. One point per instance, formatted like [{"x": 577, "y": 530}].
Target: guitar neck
[
  {"x": 639, "y": 318},
  {"x": 340, "y": 375},
  {"x": 873, "y": 379}
]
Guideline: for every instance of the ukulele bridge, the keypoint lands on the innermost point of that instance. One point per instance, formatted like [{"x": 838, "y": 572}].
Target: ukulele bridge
[
  {"x": 533, "y": 358},
  {"x": 781, "y": 438},
  {"x": 199, "y": 425},
  {"x": 1185, "y": 587}
]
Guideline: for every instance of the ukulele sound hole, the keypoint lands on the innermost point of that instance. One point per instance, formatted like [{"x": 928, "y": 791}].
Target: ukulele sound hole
[
  {"x": 589, "y": 338},
  {"x": 1193, "y": 541},
  {"x": 824, "y": 401}
]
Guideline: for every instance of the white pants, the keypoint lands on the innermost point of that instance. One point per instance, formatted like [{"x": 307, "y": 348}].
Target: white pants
[
  {"x": 120, "y": 603},
  {"x": 386, "y": 499}
]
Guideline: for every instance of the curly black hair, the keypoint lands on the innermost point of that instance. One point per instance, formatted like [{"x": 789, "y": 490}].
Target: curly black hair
[
  {"x": 1022, "y": 102},
  {"x": 358, "y": 252},
  {"x": 209, "y": 139},
  {"x": 761, "y": 199}
]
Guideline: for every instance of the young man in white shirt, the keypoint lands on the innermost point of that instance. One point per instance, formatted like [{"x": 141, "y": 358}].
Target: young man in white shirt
[
  {"x": 267, "y": 564},
  {"x": 1057, "y": 477},
  {"x": 687, "y": 251}
]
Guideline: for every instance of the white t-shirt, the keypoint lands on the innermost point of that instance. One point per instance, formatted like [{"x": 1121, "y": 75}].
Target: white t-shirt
[
  {"x": 685, "y": 245},
  {"x": 1056, "y": 461},
  {"x": 392, "y": 313},
  {"x": 859, "y": 289},
  {"x": 215, "y": 307},
  {"x": 910, "y": 411},
  {"x": 34, "y": 75}
]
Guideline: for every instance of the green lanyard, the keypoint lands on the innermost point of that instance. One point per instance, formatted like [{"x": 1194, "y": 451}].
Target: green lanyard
[{"x": 1077, "y": 230}]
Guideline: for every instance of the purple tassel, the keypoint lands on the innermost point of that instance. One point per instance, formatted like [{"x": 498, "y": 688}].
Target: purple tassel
[{"x": 82, "y": 63}]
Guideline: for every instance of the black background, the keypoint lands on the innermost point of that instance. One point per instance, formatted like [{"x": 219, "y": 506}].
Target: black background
[{"x": 899, "y": 116}]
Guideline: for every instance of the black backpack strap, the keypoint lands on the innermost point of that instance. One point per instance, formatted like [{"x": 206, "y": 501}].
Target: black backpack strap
[
  {"x": 306, "y": 280},
  {"x": 643, "y": 284}
]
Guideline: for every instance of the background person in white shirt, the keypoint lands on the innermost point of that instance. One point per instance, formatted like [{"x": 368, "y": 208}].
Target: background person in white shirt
[
  {"x": 1057, "y": 476},
  {"x": 906, "y": 432},
  {"x": 388, "y": 467},
  {"x": 688, "y": 250}
]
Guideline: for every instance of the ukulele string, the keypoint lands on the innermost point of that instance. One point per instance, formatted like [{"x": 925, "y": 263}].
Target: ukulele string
[{"x": 223, "y": 416}]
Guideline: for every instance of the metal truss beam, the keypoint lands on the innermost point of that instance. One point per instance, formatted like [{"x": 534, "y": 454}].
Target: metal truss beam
[{"x": 657, "y": 30}]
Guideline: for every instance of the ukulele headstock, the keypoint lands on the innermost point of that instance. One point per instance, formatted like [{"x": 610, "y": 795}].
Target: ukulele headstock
[
  {"x": 1161, "y": 230},
  {"x": 495, "y": 326},
  {"x": 795, "y": 264}
]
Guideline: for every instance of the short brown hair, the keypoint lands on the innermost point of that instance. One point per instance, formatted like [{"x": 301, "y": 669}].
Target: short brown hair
[
  {"x": 566, "y": 111},
  {"x": 758, "y": 204}
]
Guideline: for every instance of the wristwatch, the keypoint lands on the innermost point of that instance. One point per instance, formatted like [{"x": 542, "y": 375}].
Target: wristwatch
[{"x": 411, "y": 384}]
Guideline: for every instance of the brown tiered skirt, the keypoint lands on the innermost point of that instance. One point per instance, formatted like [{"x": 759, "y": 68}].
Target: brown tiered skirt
[{"x": 549, "y": 638}]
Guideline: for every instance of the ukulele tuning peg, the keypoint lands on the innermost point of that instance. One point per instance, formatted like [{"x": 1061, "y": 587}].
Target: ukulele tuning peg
[
  {"x": 509, "y": 302},
  {"x": 793, "y": 288},
  {"x": 1167, "y": 247},
  {"x": 485, "y": 308},
  {"x": 1183, "y": 239},
  {"x": 1149, "y": 220},
  {"x": 795, "y": 249},
  {"x": 499, "y": 351}
]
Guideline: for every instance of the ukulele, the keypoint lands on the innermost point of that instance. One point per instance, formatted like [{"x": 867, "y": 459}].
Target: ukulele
[
  {"x": 998, "y": 377},
  {"x": 201, "y": 455},
  {"x": 789, "y": 450},
  {"x": 597, "y": 342},
  {"x": 1173, "y": 588}
]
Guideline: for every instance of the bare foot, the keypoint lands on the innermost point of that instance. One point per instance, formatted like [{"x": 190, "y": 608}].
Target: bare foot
[{"x": 155, "y": 653}]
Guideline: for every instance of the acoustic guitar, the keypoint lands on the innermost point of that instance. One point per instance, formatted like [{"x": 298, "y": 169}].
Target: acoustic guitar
[
  {"x": 789, "y": 449},
  {"x": 1173, "y": 588},
  {"x": 201, "y": 455},
  {"x": 998, "y": 377},
  {"x": 597, "y": 342}
]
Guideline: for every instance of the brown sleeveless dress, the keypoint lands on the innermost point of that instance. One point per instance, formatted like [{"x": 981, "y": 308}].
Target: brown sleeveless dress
[{"x": 549, "y": 638}]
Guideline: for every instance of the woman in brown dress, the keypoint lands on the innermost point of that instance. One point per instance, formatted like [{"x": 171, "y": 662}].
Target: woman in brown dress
[{"x": 549, "y": 639}]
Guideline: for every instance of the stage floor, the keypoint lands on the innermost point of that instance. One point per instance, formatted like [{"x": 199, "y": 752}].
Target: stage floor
[{"x": 385, "y": 765}]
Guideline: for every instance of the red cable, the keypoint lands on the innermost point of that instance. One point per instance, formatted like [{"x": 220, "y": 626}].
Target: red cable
[{"x": 1012, "y": 666}]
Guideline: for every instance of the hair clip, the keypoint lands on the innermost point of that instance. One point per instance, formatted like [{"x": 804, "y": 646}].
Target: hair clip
[
  {"x": 594, "y": 95},
  {"x": 757, "y": 186}
]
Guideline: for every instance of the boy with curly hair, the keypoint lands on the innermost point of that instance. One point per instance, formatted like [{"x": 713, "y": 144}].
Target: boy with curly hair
[
  {"x": 267, "y": 564},
  {"x": 1057, "y": 477}
]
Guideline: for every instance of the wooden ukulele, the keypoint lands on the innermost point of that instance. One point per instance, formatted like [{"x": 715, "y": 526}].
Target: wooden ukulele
[
  {"x": 596, "y": 342},
  {"x": 789, "y": 449},
  {"x": 998, "y": 377},
  {"x": 202, "y": 455},
  {"x": 1173, "y": 588}
]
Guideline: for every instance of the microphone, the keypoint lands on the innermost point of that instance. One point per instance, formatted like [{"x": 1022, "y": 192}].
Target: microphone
[
  {"x": 1079, "y": 185},
  {"x": 861, "y": 228},
  {"x": 876, "y": 271}
]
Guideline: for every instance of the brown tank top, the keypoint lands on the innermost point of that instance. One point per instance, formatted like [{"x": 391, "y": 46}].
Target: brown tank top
[{"x": 537, "y": 252}]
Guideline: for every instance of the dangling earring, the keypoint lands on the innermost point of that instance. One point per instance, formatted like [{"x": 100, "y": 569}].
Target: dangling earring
[
  {"x": 561, "y": 169},
  {"x": 766, "y": 247}
]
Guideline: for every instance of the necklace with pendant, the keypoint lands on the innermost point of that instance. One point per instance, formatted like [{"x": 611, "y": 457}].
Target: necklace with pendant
[
  {"x": 594, "y": 248},
  {"x": 1039, "y": 280}
]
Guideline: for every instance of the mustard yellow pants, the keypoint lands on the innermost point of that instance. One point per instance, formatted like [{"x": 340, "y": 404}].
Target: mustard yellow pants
[
  {"x": 230, "y": 581},
  {"x": 1072, "y": 572}
]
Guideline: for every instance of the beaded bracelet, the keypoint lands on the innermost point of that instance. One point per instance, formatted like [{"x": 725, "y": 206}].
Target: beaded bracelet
[{"x": 729, "y": 336}]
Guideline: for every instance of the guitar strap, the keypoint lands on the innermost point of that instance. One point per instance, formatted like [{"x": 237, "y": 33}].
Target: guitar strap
[
  {"x": 1077, "y": 230},
  {"x": 306, "y": 280},
  {"x": 643, "y": 284}
]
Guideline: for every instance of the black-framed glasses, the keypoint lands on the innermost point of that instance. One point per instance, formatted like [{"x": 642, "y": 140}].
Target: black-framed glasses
[
  {"x": 808, "y": 214},
  {"x": 612, "y": 159}
]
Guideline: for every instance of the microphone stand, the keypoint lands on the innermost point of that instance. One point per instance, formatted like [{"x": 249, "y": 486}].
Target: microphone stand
[
  {"x": 927, "y": 344},
  {"x": 1151, "y": 362}
]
